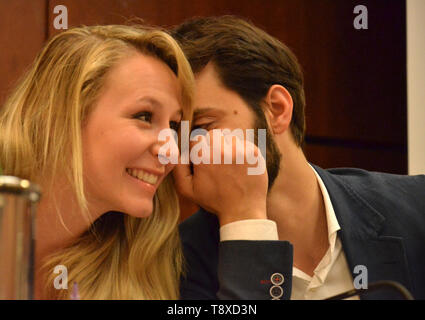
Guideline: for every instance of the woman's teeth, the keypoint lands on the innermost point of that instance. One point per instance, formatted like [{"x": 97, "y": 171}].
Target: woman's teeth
[{"x": 143, "y": 176}]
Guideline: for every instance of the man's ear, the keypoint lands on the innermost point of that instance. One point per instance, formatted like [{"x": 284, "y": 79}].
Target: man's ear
[{"x": 279, "y": 106}]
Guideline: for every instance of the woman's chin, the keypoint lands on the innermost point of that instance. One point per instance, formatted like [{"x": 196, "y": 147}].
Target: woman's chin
[{"x": 141, "y": 211}]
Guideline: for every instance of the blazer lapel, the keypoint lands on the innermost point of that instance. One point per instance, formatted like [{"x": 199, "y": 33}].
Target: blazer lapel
[{"x": 383, "y": 255}]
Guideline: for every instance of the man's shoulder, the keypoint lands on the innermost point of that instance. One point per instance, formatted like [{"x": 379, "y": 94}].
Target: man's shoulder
[
  {"x": 369, "y": 183},
  {"x": 389, "y": 194},
  {"x": 361, "y": 175}
]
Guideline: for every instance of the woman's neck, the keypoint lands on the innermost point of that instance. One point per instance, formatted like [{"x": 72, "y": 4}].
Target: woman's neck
[{"x": 59, "y": 222}]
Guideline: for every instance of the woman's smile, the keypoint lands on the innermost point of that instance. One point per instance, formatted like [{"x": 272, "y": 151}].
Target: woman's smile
[{"x": 148, "y": 181}]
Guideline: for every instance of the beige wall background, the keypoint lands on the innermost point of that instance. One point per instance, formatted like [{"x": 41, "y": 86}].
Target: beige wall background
[{"x": 416, "y": 85}]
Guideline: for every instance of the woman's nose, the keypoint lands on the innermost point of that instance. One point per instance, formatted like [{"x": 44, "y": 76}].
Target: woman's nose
[{"x": 165, "y": 148}]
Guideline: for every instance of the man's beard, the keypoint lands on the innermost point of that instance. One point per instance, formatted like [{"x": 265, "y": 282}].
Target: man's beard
[{"x": 273, "y": 155}]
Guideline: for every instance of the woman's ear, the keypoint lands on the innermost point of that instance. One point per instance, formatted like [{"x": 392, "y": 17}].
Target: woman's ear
[{"x": 279, "y": 105}]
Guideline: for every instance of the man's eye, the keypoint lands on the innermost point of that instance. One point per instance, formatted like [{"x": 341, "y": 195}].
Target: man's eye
[
  {"x": 145, "y": 116},
  {"x": 175, "y": 125}
]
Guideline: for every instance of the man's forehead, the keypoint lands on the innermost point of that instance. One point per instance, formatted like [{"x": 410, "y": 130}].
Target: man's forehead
[{"x": 202, "y": 111}]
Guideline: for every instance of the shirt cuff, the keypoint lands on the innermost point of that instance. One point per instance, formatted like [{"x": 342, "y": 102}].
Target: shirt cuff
[{"x": 250, "y": 229}]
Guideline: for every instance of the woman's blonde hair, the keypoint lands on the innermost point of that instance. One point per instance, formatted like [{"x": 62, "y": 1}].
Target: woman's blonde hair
[{"x": 120, "y": 257}]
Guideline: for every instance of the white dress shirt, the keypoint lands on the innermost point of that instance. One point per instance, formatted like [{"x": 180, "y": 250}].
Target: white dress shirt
[{"x": 331, "y": 276}]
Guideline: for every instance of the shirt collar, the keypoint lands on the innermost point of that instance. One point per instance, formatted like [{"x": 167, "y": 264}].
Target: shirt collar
[
  {"x": 333, "y": 226},
  {"x": 332, "y": 222}
]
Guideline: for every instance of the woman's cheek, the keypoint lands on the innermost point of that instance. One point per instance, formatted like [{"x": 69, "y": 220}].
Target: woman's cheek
[{"x": 135, "y": 143}]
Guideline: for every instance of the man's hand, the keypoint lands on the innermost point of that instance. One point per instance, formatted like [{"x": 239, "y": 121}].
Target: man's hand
[{"x": 225, "y": 189}]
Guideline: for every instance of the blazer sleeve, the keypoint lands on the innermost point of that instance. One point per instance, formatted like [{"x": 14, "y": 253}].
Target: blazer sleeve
[
  {"x": 255, "y": 270},
  {"x": 234, "y": 269},
  {"x": 240, "y": 270}
]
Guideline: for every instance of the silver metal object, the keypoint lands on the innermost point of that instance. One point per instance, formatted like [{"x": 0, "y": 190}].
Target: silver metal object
[{"x": 18, "y": 202}]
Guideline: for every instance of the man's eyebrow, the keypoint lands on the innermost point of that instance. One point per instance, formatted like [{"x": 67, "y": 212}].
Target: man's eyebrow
[{"x": 202, "y": 111}]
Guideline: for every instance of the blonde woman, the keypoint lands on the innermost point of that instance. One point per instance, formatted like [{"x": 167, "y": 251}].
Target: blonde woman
[{"x": 83, "y": 124}]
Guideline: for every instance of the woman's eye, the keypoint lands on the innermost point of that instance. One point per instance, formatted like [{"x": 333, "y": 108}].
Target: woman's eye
[
  {"x": 175, "y": 125},
  {"x": 145, "y": 116}
]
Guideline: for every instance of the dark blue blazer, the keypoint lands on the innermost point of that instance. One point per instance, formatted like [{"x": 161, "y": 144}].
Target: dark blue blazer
[{"x": 382, "y": 219}]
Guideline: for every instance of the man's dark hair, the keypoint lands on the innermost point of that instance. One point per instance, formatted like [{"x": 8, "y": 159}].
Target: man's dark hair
[{"x": 247, "y": 60}]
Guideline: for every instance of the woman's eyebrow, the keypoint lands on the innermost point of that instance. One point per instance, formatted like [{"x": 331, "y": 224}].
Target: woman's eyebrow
[{"x": 150, "y": 100}]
